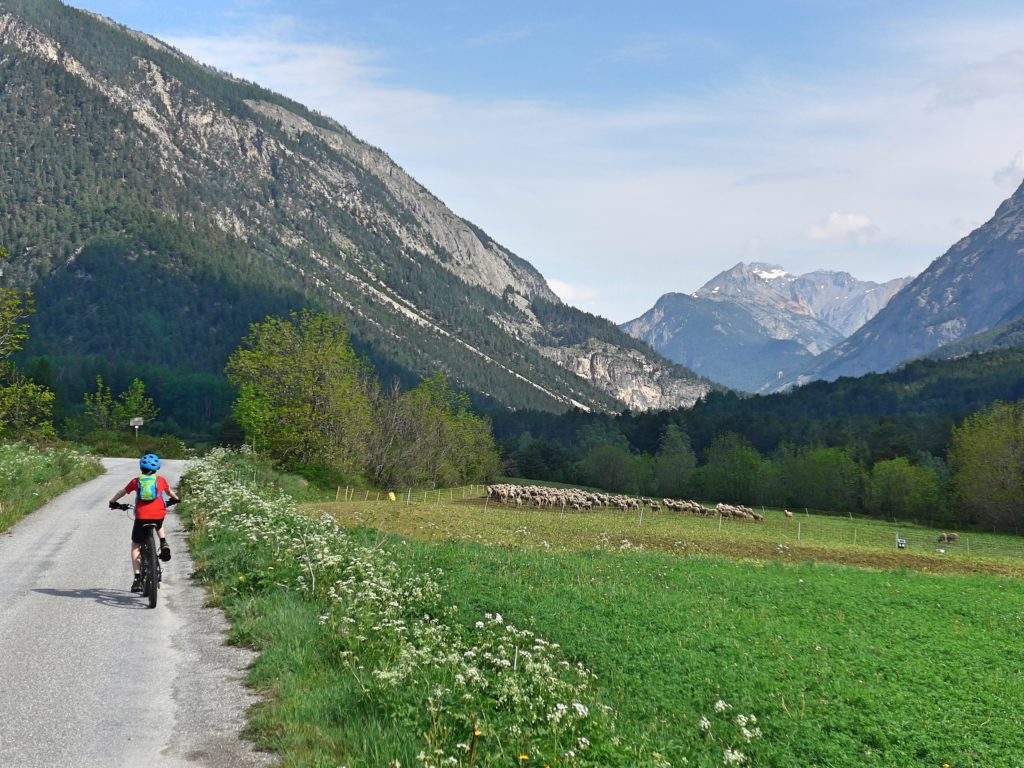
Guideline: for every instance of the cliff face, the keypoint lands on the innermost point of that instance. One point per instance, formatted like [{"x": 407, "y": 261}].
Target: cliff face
[
  {"x": 646, "y": 385},
  {"x": 149, "y": 135}
]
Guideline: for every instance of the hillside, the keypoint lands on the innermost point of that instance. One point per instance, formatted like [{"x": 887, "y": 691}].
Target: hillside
[
  {"x": 1010, "y": 336},
  {"x": 157, "y": 207},
  {"x": 976, "y": 286},
  {"x": 899, "y": 413}
]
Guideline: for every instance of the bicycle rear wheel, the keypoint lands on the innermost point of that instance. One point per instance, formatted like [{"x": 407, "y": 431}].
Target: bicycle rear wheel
[{"x": 151, "y": 582}]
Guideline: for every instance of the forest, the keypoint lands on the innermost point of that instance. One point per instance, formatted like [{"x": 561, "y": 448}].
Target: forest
[{"x": 881, "y": 444}]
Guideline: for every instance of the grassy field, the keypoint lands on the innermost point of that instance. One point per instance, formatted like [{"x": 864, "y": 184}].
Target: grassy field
[
  {"x": 29, "y": 477},
  {"x": 741, "y": 645},
  {"x": 458, "y": 515},
  {"x": 841, "y": 666},
  {"x": 907, "y": 661}
]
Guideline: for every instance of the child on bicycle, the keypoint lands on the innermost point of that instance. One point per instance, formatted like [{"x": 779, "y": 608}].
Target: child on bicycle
[{"x": 149, "y": 489}]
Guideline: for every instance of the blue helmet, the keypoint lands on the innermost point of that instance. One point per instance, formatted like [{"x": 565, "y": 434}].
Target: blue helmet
[{"x": 149, "y": 463}]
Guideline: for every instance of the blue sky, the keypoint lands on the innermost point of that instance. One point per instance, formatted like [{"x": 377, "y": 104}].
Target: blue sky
[{"x": 631, "y": 149}]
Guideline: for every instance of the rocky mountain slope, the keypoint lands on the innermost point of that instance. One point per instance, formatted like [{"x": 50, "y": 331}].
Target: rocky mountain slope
[
  {"x": 1010, "y": 336},
  {"x": 124, "y": 159},
  {"x": 748, "y": 325},
  {"x": 975, "y": 287}
]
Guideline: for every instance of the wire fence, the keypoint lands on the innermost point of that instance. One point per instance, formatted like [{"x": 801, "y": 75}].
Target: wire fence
[{"x": 803, "y": 528}]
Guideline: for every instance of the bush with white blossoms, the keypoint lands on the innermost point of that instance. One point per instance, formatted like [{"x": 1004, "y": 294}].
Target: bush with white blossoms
[
  {"x": 489, "y": 694},
  {"x": 732, "y": 732}
]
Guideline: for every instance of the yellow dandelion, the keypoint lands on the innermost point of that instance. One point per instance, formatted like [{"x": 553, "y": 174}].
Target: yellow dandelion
[
  {"x": 478, "y": 732},
  {"x": 523, "y": 758}
]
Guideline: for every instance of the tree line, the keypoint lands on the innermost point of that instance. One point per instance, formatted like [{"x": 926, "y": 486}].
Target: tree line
[{"x": 979, "y": 482}]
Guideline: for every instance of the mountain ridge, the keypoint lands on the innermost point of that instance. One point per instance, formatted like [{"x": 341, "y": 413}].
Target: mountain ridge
[
  {"x": 751, "y": 323},
  {"x": 976, "y": 286},
  {"x": 127, "y": 136}
]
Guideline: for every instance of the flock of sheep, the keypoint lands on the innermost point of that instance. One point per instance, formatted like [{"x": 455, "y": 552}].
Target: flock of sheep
[
  {"x": 579, "y": 501},
  {"x": 543, "y": 497},
  {"x": 574, "y": 499}
]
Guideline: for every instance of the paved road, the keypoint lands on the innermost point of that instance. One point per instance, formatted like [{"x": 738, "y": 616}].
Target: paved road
[{"x": 89, "y": 675}]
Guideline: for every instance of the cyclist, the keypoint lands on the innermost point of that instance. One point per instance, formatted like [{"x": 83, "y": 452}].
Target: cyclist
[{"x": 149, "y": 489}]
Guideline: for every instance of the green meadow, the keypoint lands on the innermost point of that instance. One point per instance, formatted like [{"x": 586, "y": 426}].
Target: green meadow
[
  {"x": 713, "y": 643},
  {"x": 841, "y": 665}
]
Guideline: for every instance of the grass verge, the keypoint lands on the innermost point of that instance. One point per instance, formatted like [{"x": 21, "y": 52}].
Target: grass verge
[{"x": 30, "y": 477}]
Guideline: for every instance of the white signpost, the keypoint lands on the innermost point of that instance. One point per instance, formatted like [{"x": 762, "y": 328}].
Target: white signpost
[{"x": 136, "y": 422}]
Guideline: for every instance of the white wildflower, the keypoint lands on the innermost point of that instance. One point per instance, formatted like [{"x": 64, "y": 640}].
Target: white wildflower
[{"x": 733, "y": 757}]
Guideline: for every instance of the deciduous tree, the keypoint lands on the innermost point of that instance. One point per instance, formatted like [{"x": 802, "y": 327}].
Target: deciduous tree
[
  {"x": 987, "y": 458},
  {"x": 304, "y": 395}
]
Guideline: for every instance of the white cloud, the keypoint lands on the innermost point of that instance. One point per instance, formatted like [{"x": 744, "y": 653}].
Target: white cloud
[
  {"x": 1010, "y": 175},
  {"x": 641, "y": 199},
  {"x": 998, "y": 77},
  {"x": 576, "y": 294},
  {"x": 648, "y": 52},
  {"x": 844, "y": 228}
]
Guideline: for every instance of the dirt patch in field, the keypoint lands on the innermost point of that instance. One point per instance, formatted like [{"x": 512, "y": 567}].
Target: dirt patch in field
[{"x": 879, "y": 561}]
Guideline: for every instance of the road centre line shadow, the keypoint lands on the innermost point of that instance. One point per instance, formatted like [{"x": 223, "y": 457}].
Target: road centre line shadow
[{"x": 109, "y": 597}]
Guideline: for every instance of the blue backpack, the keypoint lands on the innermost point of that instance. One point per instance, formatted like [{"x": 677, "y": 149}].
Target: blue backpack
[{"x": 148, "y": 488}]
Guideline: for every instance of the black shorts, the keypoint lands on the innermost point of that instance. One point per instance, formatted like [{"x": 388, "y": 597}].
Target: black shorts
[{"x": 139, "y": 529}]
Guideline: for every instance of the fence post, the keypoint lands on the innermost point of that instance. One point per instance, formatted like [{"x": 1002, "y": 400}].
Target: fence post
[
  {"x": 367, "y": 496},
  {"x": 719, "y": 521},
  {"x": 798, "y": 524},
  {"x": 968, "y": 543},
  {"x": 408, "y": 496},
  {"x": 337, "y": 493},
  {"x": 855, "y": 537}
]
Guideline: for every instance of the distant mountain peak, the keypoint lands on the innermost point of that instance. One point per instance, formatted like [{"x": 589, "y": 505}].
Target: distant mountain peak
[
  {"x": 976, "y": 287},
  {"x": 762, "y": 315},
  {"x": 768, "y": 272}
]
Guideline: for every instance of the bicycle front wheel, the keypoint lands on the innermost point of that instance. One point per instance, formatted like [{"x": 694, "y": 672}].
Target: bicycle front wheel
[{"x": 152, "y": 581}]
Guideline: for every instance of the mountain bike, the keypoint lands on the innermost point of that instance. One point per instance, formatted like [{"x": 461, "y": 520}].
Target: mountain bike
[{"x": 150, "y": 571}]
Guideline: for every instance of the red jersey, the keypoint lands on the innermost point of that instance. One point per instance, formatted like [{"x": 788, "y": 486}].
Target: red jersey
[{"x": 149, "y": 510}]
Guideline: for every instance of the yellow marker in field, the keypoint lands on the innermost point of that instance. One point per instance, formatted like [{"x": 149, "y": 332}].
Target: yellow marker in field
[{"x": 391, "y": 495}]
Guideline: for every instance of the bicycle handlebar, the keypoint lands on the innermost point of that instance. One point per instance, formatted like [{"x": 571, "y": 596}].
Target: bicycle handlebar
[{"x": 116, "y": 505}]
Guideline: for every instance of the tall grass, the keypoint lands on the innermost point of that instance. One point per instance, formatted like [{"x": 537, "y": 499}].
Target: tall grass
[{"x": 30, "y": 477}]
